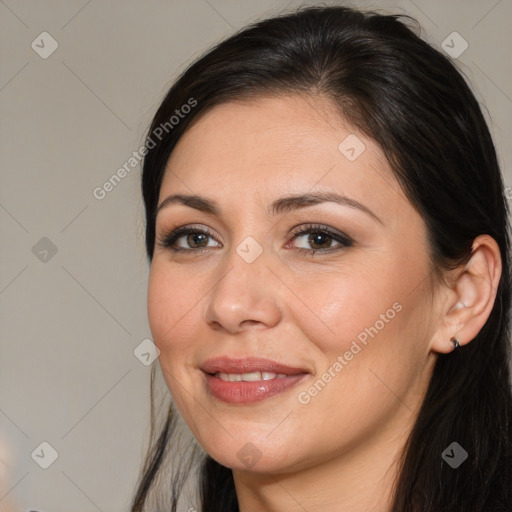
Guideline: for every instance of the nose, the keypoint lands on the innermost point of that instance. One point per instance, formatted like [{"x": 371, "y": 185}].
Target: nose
[{"x": 244, "y": 296}]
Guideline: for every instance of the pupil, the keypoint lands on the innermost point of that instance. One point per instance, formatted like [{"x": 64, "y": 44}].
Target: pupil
[
  {"x": 192, "y": 238},
  {"x": 313, "y": 239}
]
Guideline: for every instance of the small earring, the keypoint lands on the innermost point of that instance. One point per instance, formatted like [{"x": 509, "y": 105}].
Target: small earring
[{"x": 456, "y": 343}]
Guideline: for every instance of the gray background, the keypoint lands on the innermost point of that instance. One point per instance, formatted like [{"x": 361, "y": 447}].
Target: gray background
[{"x": 70, "y": 321}]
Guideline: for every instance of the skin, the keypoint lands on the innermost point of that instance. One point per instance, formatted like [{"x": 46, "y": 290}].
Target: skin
[{"x": 338, "y": 451}]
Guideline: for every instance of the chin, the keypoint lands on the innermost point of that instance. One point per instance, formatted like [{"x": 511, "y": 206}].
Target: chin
[{"x": 256, "y": 454}]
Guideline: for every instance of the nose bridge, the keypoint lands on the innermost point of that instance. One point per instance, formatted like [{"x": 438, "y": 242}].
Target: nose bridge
[{"x": 246, "y": 290}]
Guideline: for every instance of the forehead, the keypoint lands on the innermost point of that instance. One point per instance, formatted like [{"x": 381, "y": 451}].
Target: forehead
[{"x": 273, "y": 146}]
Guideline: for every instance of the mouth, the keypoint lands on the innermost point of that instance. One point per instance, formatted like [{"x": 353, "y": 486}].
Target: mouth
[
  {"x": 248, "y": 365},
  {"x": 248, "y": 380},
  {"x": 249, "y": 376}
]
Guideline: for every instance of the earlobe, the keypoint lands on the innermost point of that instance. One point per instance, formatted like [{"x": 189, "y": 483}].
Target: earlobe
[
  {"x": 456, "y": 342},
  {"x": 471, "y": 297}
]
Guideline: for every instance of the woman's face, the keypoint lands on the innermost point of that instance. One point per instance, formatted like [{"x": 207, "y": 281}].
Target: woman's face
[{"x": 350, "y": 325}]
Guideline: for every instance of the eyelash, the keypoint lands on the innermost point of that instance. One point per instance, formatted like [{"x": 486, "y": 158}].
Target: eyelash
[{"x": 172, "y": 236}]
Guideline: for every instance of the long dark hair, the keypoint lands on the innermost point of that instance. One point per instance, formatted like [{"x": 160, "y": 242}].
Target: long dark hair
[{"x": 408, "y": 97}]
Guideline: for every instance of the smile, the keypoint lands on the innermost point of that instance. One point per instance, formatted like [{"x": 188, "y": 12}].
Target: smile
[
  {"x": 248, "y": 380},
  {"x": 249, "y": 377}
]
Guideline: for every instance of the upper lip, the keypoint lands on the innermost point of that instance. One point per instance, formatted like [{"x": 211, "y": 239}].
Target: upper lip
[{"x": 226, "y": 364}]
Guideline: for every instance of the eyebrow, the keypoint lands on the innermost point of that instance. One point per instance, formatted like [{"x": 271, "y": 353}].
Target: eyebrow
[{"x": 279, "y": 206}]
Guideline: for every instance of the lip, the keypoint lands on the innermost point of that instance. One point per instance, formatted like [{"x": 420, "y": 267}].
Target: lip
[
  {"x": 248, "y": 364},
  {"x": 249, "y": 392}
]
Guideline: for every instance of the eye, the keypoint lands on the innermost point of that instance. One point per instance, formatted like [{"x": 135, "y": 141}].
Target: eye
[
  {"x": 195, "y": 238},
  {"x": 321, "y": 239}
]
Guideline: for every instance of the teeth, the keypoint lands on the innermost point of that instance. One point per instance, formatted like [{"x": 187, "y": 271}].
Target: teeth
[{"x": 249, "y": 377}]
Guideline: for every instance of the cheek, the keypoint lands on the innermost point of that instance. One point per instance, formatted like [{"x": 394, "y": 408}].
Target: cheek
[
  {"x": 368, "y": 363},
  {"x": 168, "y": 301},
  {"x": 343, "y": 306},
  {"x": 365, "y": 333},
  {"x": 171, "y": 306}
]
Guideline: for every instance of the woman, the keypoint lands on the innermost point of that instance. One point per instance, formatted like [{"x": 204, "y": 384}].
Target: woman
[{"x": 329, "y": 285}]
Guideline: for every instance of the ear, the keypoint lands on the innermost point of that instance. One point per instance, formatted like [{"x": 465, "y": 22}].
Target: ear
[{"x": 468, "y": 301}]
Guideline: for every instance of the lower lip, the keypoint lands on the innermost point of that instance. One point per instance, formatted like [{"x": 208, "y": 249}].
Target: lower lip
[{"x": 249, "y": 392}]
